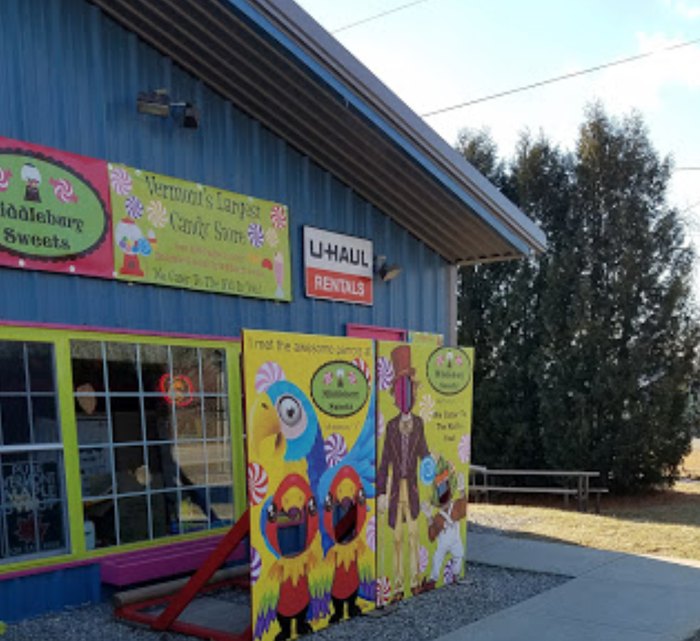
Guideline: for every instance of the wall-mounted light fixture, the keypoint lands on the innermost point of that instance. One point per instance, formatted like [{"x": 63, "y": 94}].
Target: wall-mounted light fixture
[
  {"x": 384, "y": 270},
  {"x": 158, "y": 103}
]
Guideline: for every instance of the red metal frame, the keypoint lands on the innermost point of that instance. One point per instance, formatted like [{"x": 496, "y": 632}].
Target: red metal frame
[{"x": 167, "y": 620}]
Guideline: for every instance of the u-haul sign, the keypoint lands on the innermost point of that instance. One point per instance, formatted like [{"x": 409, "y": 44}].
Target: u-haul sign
[{"x": 337, "y": 267}]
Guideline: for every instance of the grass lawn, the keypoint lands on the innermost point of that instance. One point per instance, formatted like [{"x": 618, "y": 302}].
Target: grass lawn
[{"x": 664, "y": 523}]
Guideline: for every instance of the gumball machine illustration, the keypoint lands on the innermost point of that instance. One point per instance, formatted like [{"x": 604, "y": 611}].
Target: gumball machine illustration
[{"x": 131, "y": 241}]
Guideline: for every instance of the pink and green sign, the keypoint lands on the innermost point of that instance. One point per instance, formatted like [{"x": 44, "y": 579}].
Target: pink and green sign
[
  {"x": 54, "y": 211},
  {"x": 183, "y": 234}
]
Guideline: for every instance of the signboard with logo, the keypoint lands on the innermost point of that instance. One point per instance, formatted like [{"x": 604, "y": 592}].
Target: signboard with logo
[
  {"x": 424, "y": 397},
  {"x": 310, "y": 410},
  {"x": 183, "y": 234},
  {"x": 338, "y": 267},
  {"x": 54, "y": 211}
]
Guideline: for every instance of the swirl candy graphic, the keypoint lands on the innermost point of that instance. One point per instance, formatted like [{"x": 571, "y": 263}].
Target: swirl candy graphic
[
  {"x": 335, "y": 449},
  {"x": 268, "y": 374},
  {"x": 426, "y": 408},
  {"x": 464, "y": 448},
  {"x": 5, "y": 175},
  {"x": 255, "y": 235},
  {"x": 385, "y": 373},
  {"x": 361, "y": 364},
  {"x": 271, "y": 238},
  {"x": 448, "y": 574},
  {"x": 120, "y": 181},
  {"x": 423, "y": 557},
  {"x": 257, "y": 483},
  {"x": 383, "y": 590},
  {"x": 255, "y": 565},
  {"x": 427, "y": 470},
  {"x": 371, "y": 534},
  {"x": 133, "y": 207},
  {"x": 278, "y": 217},
  {"x": 157, "y": 214},
  {"x": 63, "y": 190}
]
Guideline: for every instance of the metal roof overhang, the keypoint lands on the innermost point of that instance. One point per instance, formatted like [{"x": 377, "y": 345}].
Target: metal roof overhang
[{"x": 339, "y": 114}]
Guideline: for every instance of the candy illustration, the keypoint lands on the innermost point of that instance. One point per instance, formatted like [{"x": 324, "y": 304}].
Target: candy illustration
[
  {"x": 328, "y": 378},
  {"x": 133, "y": 207},
  {"x": 255, "y": 565},
  {"x": 423, "y": 558},
  {"x": 255, "y": 235},
  {"x": 271, "y": 237},
  {"x": 63, "y": 190},
  {"x": 278, "y": 216},
  {"x": 426, "y": 408},
  {"x": 427, "y": 470},
  {"x": 352, "y": 378},
  {"x": 268, "y": 374},
  {"x": 120, "y": 181},
  {"x": 381, "y": 425},
  {"x": 464, "y": 448},
  {"x": 451, "y": 572},
  {"x": 5, "y": 175},
  {"x": 383, "y": 591},
  {"x": 361, "y": 364},
  {"x": 371, "y": 533},
  {"x": 257, "y": 483},
  {"x": 385, "y": 373},
  {"x": 335, "y": 449},
  {"x": 278, "y": 270},
  {"x": 157, "y": 214}
]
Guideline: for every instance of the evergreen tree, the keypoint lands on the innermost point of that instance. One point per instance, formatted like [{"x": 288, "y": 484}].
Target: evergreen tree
[{"x": 584, "y": 355}]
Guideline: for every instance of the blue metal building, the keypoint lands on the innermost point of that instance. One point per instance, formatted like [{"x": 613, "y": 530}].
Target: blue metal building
[{"x": 286, "y": 114}]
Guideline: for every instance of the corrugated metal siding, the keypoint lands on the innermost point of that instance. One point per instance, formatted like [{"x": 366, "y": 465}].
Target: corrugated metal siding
[
  {"x": 29, "y": 596},
  {"x": 69, "y": 77}
]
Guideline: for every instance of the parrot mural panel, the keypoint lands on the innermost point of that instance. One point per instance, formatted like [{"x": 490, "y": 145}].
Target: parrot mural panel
[{"x": 311, "y": 485}]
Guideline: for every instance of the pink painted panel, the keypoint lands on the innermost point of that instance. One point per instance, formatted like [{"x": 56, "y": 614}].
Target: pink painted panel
[{"x": 375, "y": 333}]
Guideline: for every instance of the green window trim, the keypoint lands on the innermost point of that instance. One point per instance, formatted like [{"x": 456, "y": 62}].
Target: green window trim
[{"x": 60, "y": 339}]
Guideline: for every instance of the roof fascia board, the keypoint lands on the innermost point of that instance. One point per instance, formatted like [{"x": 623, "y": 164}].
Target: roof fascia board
[{"x": 352, "y": 100}]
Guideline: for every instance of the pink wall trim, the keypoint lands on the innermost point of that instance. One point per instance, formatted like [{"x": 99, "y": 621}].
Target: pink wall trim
[
  {"x": 153, "y": 554},
  {"x": 119, "y": 330}
]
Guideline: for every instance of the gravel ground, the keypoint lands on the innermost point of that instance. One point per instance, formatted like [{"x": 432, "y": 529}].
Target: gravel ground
[{"x": 428, "y": 616}]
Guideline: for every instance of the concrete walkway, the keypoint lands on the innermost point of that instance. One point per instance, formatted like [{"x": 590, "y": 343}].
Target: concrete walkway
[{"x": 612, "y": 596}]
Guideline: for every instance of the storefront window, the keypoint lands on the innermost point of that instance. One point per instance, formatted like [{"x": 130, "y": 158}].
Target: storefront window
[
  {"x": 32, "y": 494},
  {"x": 154, "y": 440}
]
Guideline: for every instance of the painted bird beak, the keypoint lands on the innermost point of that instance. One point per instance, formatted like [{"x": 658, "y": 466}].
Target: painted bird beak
[{"x": 264, "y": 425}]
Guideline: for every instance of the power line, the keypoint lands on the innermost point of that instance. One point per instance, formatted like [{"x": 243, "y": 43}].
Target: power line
[
  {"x": 566, "y": 76},
  {"x": 378, "y": 15}
]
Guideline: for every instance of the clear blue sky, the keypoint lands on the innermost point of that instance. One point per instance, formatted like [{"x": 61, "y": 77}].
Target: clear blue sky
[{"x": 442, "y": 52}]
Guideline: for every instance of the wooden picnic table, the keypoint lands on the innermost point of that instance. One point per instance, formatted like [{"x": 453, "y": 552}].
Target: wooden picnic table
[{"x": 581, "y": 477}]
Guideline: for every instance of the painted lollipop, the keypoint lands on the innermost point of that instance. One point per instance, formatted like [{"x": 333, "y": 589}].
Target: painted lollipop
[
  {"x": 120, "y": 181},
  {"x": 423, "y": 558},
  {"x": 464, "y": 448},
  {"x": 381, "y": 424},
  {"x": 385, "y": 373},
  {"x": 63, "y": 190},
  {"x": 5, "y": 175},
  {"x": 133, "y": 207},
  {"x": 278, "y": 216},
  {"x": 256, "y": 235},
  {"x": 335, "y": 449},
  {"x": 269, "y": 373},
  {"x": 383, "y": 591},
  {"x": 257, "y": 483},
  {"x": 361, "y": 364},
  {"x": 157, "y": 214},
  {"x": 255, "y": 565},
  {"x": 371, "y": 533}
]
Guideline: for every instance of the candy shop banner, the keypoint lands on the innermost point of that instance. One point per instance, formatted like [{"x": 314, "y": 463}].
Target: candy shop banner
[
  {"x": 311, "y": 465},
  {"x": 423, "y": 429},
  {"x": 183, "y": 234},
  {"x": 54, "y": 211}
]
